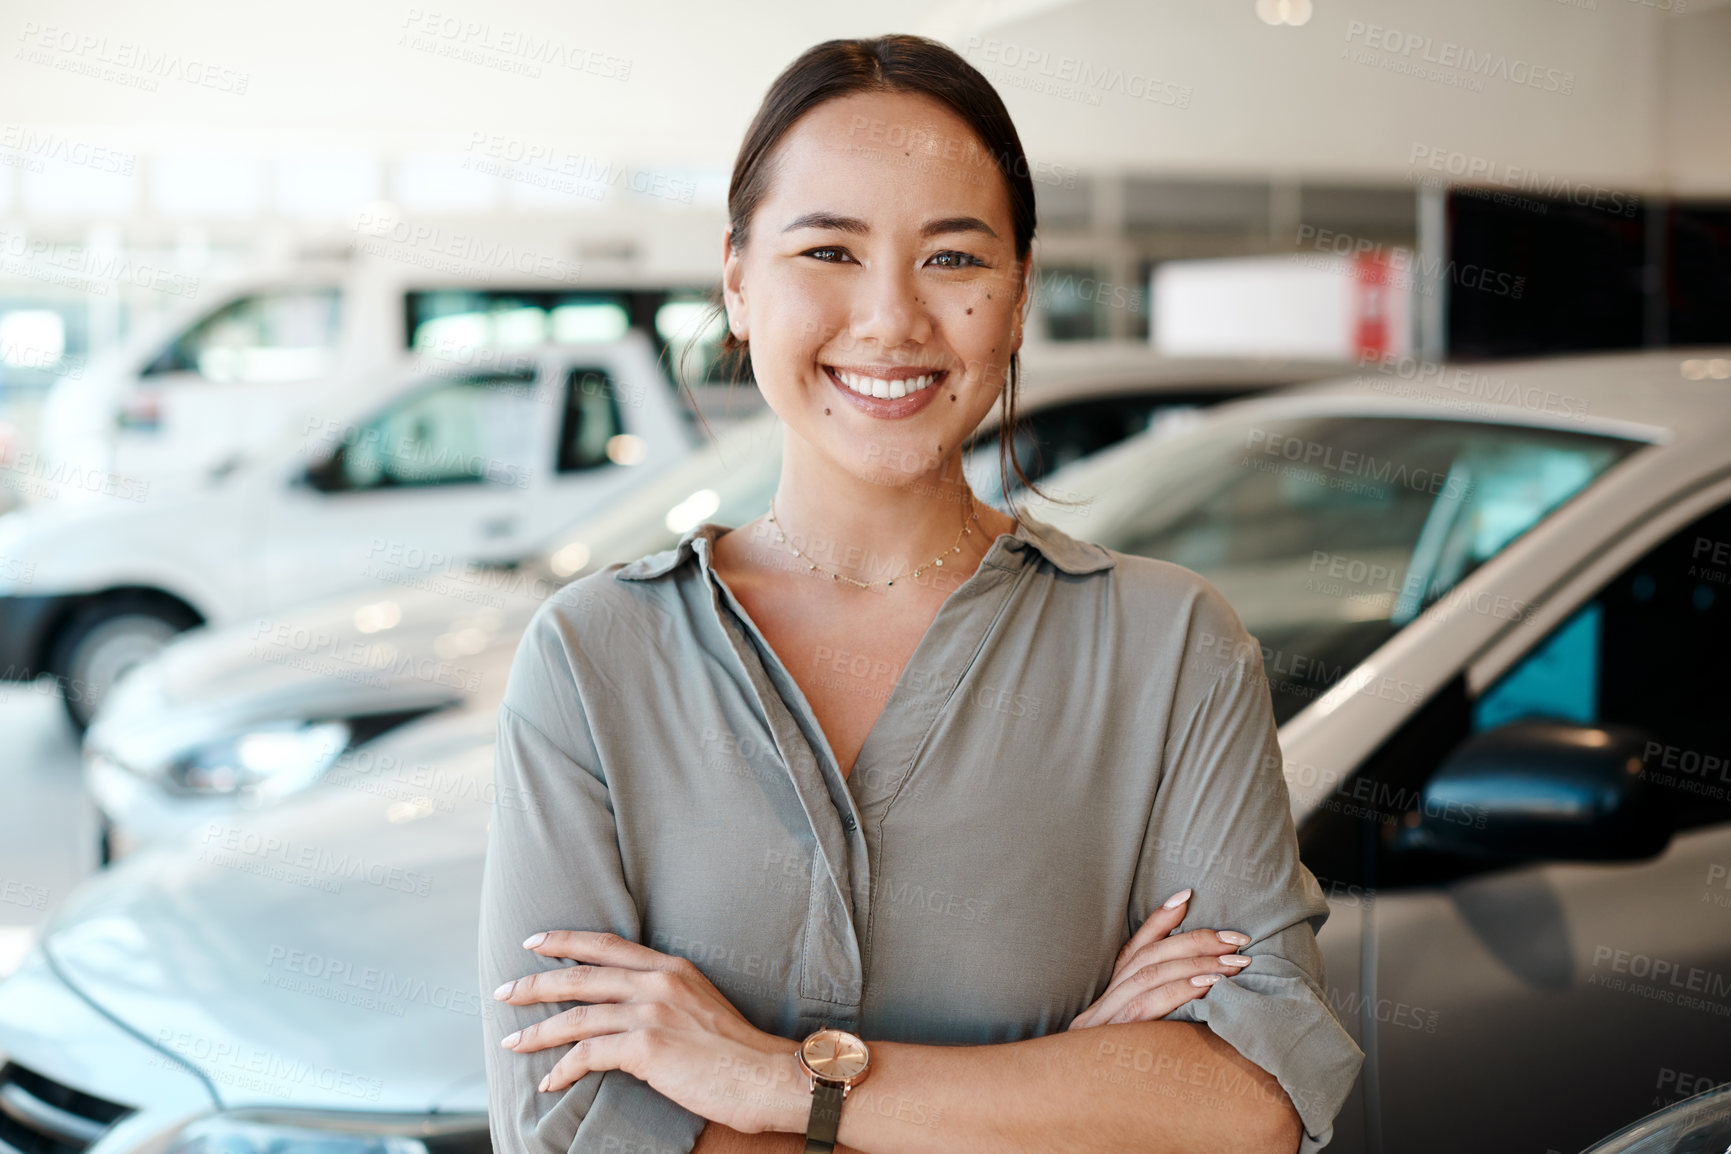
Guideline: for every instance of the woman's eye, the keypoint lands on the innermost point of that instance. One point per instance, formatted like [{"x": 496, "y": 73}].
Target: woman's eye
[
  {"x": 827, "y": 255},
  {"x": 955, "y": 259}
]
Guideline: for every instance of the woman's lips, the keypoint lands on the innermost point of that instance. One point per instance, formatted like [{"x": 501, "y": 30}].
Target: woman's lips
[{"x": 888, "y": 408}]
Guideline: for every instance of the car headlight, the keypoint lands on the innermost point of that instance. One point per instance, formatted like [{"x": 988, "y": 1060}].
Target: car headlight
[
  {"x": 273, "y": 760},
  {"x": 332, "y": 1132},
  {"x": 270, "y": 760}
]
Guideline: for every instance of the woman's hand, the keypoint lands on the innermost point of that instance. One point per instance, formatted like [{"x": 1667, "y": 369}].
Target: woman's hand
[
  {"x": 657, "y": 1017},
  {"x": 1154, "y": 974}
]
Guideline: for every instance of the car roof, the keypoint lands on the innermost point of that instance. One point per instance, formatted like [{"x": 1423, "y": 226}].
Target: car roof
[
  {"x": 1659, "y": 394},
  {"x": 1098, "y": 365}
]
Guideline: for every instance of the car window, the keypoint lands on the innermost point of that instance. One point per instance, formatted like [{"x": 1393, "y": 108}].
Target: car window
[
  {"x": 1644, "y": 651},
  {"x": 1055, "y": 436},
  {"x": 461, "y": 430},
  {"x": 446, "y": 321},
  {"x": 1330, "y": 534},
  {"x": 591, "y": 427},
  {"x": 285, "y": 335},
  {"x": 1647, "y": 651}
]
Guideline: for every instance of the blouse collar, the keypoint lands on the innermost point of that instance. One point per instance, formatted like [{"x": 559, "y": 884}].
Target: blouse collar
[{"x": 1056, "y": 546}]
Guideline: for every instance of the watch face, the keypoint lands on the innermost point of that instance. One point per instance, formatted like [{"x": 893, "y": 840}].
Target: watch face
[{"x": 834, "y": 1055}]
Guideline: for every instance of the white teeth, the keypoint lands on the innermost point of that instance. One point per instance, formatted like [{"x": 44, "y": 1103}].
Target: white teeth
[{"x": 874, "y": 387}]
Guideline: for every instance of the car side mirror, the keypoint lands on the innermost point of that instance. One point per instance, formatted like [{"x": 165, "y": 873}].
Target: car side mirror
[{"x": 1542, "y": 789}]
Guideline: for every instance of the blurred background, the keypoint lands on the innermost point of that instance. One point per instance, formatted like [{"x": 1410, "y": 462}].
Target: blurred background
[{"x": 244, "y": 252}]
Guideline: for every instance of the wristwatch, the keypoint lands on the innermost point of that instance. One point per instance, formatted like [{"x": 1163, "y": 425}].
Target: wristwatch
[{"x": 834, "y": 1062}]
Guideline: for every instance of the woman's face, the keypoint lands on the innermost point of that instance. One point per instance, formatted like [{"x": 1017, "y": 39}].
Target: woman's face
[{"x": 879, "y": 285}]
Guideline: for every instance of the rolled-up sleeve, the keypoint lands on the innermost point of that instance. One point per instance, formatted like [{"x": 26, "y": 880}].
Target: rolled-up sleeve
[
  {"x": 1221, "y": 824},
  {"x": 553, "y": 863}
]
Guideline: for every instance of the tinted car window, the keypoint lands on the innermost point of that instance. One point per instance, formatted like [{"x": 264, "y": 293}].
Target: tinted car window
[
  {"x": 288, "y": 335},
  {"x": 591, "y": 420},
  {"x": 463, "y": 430},
  {"x": 1648, "y": 651},
  {"x": 1328, "y": 535}
]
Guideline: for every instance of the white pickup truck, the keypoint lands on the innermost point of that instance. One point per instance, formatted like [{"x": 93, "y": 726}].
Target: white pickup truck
[{"x": 425, "y": 469}]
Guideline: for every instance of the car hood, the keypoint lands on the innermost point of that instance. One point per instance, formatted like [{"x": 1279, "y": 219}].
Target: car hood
[
  {"x": 321, "y": 952},
  {"x": 312, "y": 663}
]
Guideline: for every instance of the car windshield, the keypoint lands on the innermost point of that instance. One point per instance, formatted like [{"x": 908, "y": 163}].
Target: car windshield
[{"x": 1327, "y": 533}]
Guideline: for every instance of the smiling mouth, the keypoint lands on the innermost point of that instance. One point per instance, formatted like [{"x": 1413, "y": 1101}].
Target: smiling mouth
[{"x": 885, "y": 389}]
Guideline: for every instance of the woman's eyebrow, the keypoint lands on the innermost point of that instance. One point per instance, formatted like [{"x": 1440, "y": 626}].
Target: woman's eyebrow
[{"x": 838, "y": 223}]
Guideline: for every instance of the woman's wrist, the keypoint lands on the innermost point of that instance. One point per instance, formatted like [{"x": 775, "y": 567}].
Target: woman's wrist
[{"x": 778, "y": 1090}]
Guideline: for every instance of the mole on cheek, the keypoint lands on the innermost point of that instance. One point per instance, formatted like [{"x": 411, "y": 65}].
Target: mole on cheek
[
  {"x": 952, "y": 396},
  {"x": 970, "y": 312},
  {"x": 826, "y": 412}
]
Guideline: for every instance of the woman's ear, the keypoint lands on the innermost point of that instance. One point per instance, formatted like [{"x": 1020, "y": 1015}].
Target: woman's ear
[
  {"x": 733, "y": 288},
  {"x": 1023, "y": 304}
]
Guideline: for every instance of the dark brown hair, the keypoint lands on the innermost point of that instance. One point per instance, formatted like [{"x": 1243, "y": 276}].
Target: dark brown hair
[{"x": 903, "y": 64}]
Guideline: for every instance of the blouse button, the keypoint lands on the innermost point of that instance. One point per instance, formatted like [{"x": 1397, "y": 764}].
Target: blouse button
[{"x": 847, "y": 822}]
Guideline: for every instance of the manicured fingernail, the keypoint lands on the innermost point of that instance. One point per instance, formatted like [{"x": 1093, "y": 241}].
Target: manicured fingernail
[
  {"x": 1233, "y": 938},
  {"x": 1176, "y": 900},
  {"x": 534, "y": 940},
  {"x": 1235, "y": 960},
  {"x": 1204, "y": 979},
  {"x": 504, "y": 991},
  {"x": 544, "y": 1082},
  {"x": 510, "y": 1039}
]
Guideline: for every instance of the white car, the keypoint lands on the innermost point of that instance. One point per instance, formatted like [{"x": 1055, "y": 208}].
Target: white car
[
  {"x": 1492, "y": 618},
  {"x": 235, "y": 363},
  {"x": 421, "y": 470}
]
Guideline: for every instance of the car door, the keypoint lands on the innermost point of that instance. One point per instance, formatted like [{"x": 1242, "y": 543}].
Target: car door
[
  {"x": 1534, "y": 1006},
  {"x": 608, "y": 431},
  {"x": 412, "y": 495},
  {"x": 230, "y": 382}
]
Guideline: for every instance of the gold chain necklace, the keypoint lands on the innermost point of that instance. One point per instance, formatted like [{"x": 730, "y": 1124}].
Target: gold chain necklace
[{"x": 812, "y": 566}]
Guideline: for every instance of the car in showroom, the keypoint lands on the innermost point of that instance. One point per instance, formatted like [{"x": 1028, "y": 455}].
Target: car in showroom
[
  {"x": 360, "y": 663},
  {"x": 443, "y": 465},
  {"x": 1488, "y": 610},
  {"x": 235, "y": 361}
]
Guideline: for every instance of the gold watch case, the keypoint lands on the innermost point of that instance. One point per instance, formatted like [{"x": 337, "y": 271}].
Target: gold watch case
[{"x": 835, "y": 1057}]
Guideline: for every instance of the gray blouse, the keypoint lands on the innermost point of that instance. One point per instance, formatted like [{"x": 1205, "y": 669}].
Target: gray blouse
[{"x": 1079, "y": 734}]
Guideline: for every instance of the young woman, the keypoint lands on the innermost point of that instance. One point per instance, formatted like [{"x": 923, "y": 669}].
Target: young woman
[{"x": 863, "y": 822}]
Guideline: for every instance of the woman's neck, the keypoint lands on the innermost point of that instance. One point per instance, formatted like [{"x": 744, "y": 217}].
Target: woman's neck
[{"x": 875, "y": 530}]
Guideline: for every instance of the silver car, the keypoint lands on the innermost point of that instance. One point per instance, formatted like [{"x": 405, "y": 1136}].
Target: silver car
[{"x": 1490, "y": 613}]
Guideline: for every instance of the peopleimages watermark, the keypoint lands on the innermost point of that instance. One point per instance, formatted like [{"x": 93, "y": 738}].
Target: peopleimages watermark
[
  {"x": 247, "y": 1066},
  {"x": 390, "y": 237},
  {"x": 549, "y": 166},
  {"x": 1480, "y": 170},
  {"x": 504, "y": 49},
  {"x": 367, "y": 987},
  {"x": 1668, "y": 981},
  {"x": 1403, "y": 268},
  {"x": 1351, "y": 463},
  {"x": 33, "y": 474},
  {"x": 1070, "y": 77},
  {"x": 1462, "y": 388},
  {"x": 31, "y": 148},
  {"x": 922, "y": 148},
  {"x": 88, "y": 270},
  {"x": 122, "y": 61},
  {"x": 1445, "y": 61},
  {"x": 410, "y": 459}
]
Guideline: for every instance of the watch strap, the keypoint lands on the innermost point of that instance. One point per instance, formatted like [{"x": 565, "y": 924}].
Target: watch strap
[{"x": 825, "y": 1119}]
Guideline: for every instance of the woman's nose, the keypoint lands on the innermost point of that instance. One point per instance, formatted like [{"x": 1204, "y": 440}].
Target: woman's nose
[{"x": 888, "y": 311}]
